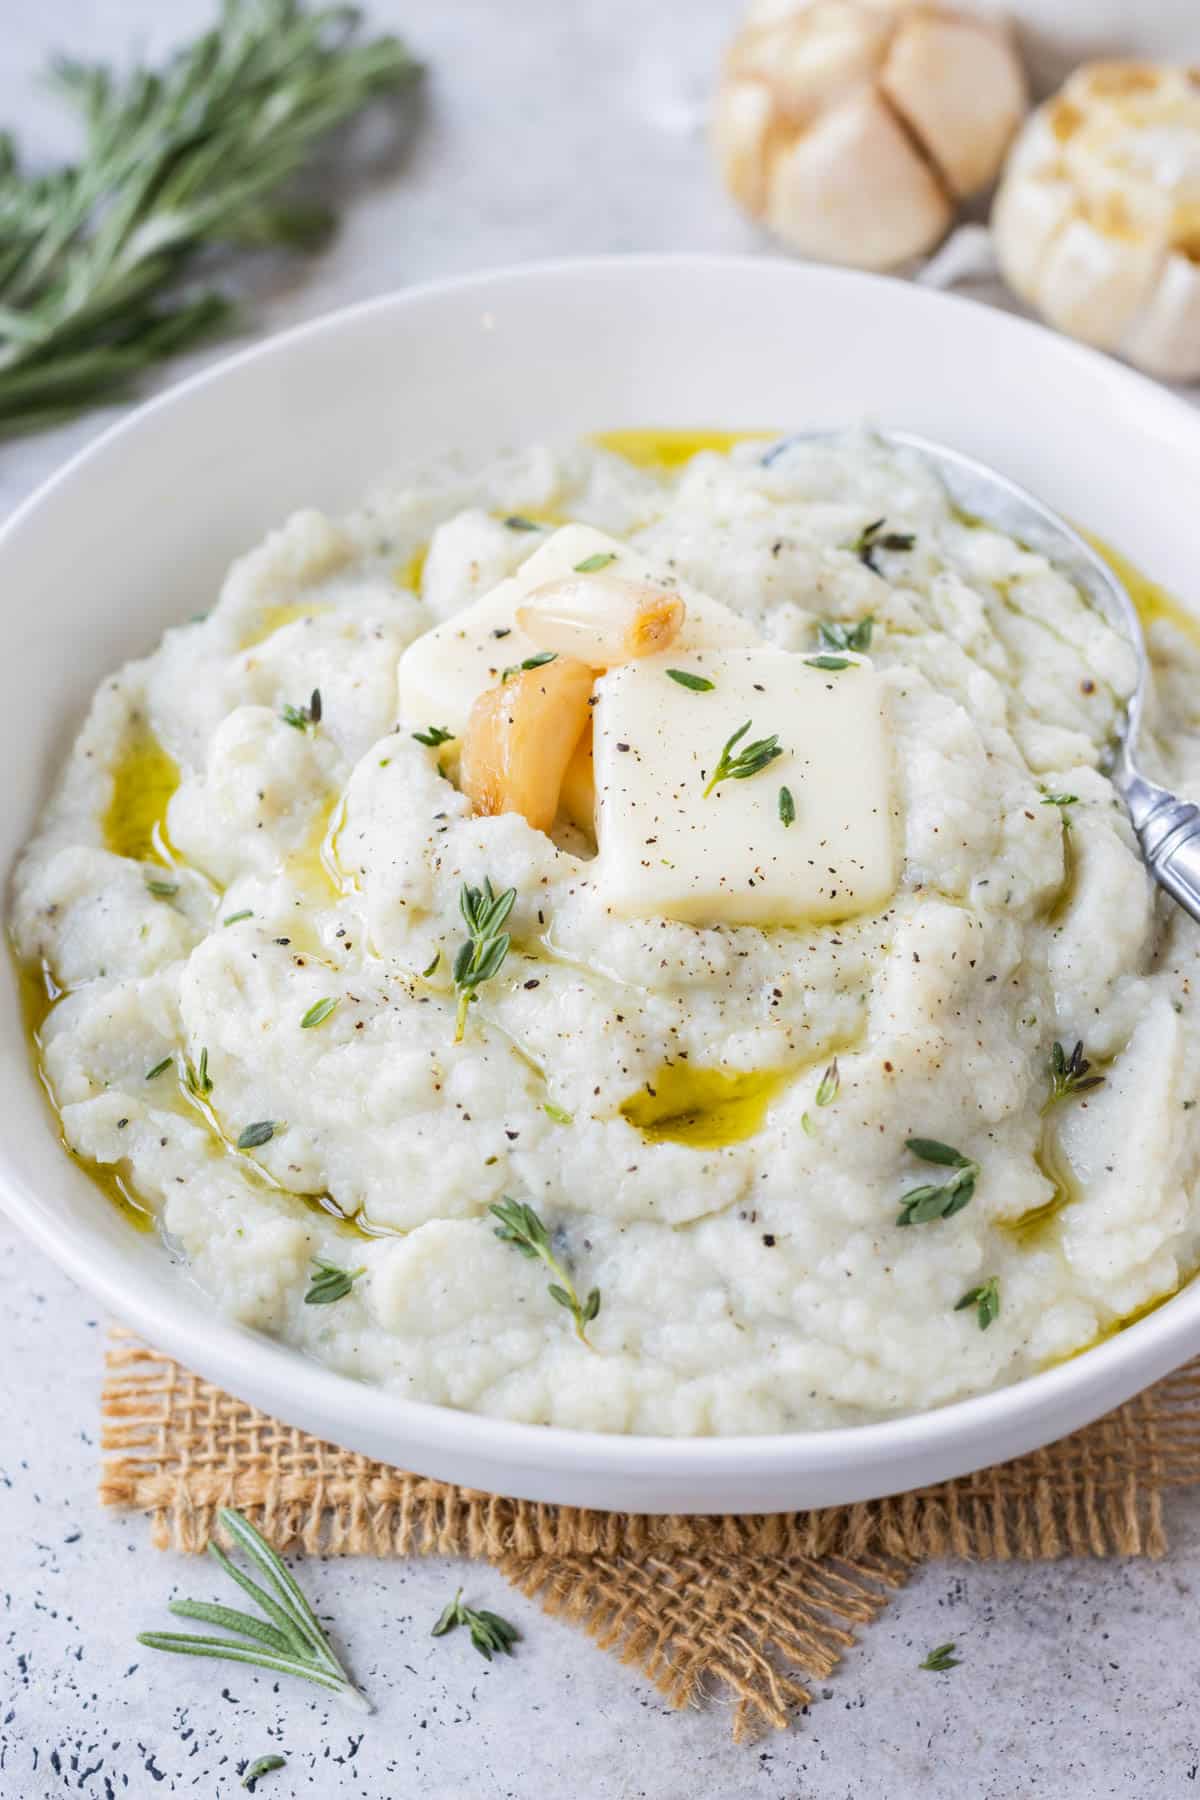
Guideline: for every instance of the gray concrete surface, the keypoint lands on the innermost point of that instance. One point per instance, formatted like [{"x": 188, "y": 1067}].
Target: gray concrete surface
[{"x": 551, "y": 128}]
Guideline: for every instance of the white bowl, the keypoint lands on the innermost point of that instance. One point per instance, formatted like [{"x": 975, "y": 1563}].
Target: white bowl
[{"x": 136, "y": 532}]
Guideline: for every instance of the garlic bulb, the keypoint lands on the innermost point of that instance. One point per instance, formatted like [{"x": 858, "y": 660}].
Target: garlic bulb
[
  {"x": 853, "y": 128},
  {"x": 1097, "y": 220}
]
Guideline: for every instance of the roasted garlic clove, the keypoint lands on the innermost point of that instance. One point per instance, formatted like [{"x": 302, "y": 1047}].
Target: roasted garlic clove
[
  {"x": 1097, "y": 220},
  {"x": 601, "y": 619},
  {"x": 855, "y": 127},
  {"x": 520, "y": 737}
]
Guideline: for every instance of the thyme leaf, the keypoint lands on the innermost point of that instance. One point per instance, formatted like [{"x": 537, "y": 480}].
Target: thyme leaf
[
  {"x": 938, "y": 1200},
  {"x": 748, "y": 761},
  {"x": 236, "y": 918},
  {"x": 1063, "y": 800},
  {"x": 941, "y": 1658},
  {"x": 162, "y": 890},
  {"x": 1069, "y": 1075},
  {"x": 831, "y": 1081},
  {"x": 873, "y": 538},
  {"x": 787, "y": 806},
  {"x": 520, "y": 1226},
  {"x": 559, "y": 1114},
  {"x": 985, "y": 1299},
  {"x": 599, "y": 560},
  {"x": 486, "y": 947},
  {"x": 196, "y": 1078},
  {"x": 317, "y": 1013},
  {"x": 301, "y": 718},
  {"x": 699, "y": 684},
  {"x": 518, "y": 522},
  {"x": 433, "y": 736},
  {"x": 158, "y": 1068},
  {"x": 288, "y": 1640},
  {"x": 330, "y": 1283},
  {"x": 834, "y": 635},
  {"x": 827, "y": 662},
  {"x": 537, "y": 661},
  {"x": 489, "y": 1632},
  {"x": 258, "y": 1134},
  {"x": 431, "y": 967},
  {"x": 261, "y": 1766}
]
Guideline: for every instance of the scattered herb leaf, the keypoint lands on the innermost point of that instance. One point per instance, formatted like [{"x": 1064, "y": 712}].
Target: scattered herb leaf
[
  {"x": 435, "y": 735},
  {"x": 431, "y": 968},
  {"x": 872, "y": 537},
  {"x": 827, "y": 662},
  {"x": 288, "y": 1640},
  {"x": 831, "y": 1081},
  {"x": 807, "y": 1125},
  {"x": 699, "y": 684},
  {"x": 1069, "y": 1075},
  {"x": 317, "y": 1013},
  {"x": 481, "y": 956},
  {"x": 941, "y": 1658},
  {"x": 531, "y": 662},
  {"x": 834, "y": 635},
  {"x": 196, "y": 1079},
  {"x": 748, "y": 761},
  {"x": 262, "y": 1765},
  {"x": 923, "y": 1204},
  {"x": 330, "y": 1283},
  {"x": 162, "y": 890},
  {"x": 159, "y": 1068},
  {"x": 600, "y": 560},
  {"x": 302, "y": 717},
  {"x": 787, "y": 806},
  {"x": 520, "y": 1226},
  {"x": 258, "y": 1134},
  {"x": 985, "y": 1299},
  {"x": 559, "y": 1114},
  {"x": 489, "y": 1632},
  {"x": 518, "y": 522},
  {"x": 1060, "y": 800},
  {"x": 236, "y": 918}
]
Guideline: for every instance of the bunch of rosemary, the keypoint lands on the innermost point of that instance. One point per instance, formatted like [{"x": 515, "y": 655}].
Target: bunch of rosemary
[{"x": 194, "y": 157}]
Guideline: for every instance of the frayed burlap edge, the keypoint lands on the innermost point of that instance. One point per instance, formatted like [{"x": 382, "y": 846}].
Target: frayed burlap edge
[{"x": 752, "y": 1603}]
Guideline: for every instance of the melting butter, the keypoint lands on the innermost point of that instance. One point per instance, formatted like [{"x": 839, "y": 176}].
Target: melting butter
[{"x": 144, "y": 777}]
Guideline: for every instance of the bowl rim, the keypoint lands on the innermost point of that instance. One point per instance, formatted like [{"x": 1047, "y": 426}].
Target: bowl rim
[{"x": 222, "y": 1348}]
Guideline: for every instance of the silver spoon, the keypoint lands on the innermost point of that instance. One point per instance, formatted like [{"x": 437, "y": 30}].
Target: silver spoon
[{"x": 1168, "y": 829}]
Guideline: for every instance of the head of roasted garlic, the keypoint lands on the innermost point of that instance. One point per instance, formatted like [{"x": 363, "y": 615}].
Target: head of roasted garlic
[
  {"x": 853, "y": 128},
  {"x": 1097, "y": 220}
]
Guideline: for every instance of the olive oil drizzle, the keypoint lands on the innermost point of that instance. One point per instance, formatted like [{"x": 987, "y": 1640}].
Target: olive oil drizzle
[{"x": 665, "y": 449}]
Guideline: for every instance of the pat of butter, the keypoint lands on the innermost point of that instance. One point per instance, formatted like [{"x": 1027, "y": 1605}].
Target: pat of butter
[
  {"x": 666, "y": 850},
  {"x": 445, "y": 670}
]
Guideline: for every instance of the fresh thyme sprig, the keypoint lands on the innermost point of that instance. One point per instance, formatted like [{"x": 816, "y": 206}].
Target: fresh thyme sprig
[
  {"x": 433, "y": 736},
  {"x": 489, "y": 1632},
  {"x": 176, "y": 163},
  {"x": 302, "y": 717},
  {"x": 1069, "y": 1075},
  {"x": 196, "y": 1077},
  {"x": 329, "y": 1283},
  {"x": 521, "y": 1227},
  {"x": 941, "y": 1659},
  {"x": 288, "y": 1640},
  {"x": 872, "y": 538},
  {"x": 748, "y": 761},
  {"x": 481, "y": 956},
  {"x": 940, "y": 1200},
  {"x": 833, "y": 635},
  {"x": 985, "y": 1299}
]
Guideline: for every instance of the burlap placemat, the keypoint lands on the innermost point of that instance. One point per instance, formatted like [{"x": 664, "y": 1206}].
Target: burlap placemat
[{"x": 764, "y": 1605}]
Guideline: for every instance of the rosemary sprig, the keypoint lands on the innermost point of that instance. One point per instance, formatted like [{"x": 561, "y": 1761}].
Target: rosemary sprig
[
  {"x": 872, "y": 538},
  {"x": 520, "y": 1226},
  {"x": 176, "y": 162},
  {"x": 942, "y": 1658},
  {"x": 985, "y": 1299},
  {"x": 302, "y": 717},
  {"x": 748, "y": 761},
  {"x": 489, "y": 1632},
  {"x": 940, "y": 1200},
  {"x": 481, "y": 956},
  {"x": 287, "y": 1640},
  {"x": 1069, "y": 1075},
  {"x": 833, "y": 635},
  {"x": 433, "y": 736},
  {"x": 262, "y": 1765},
  {"x": 329, "y": 1283}
]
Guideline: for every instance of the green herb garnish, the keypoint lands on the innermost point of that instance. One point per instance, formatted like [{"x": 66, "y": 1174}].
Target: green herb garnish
[
  {"x": 559, "y": 1114},
  {"x": 872, "y": 537},
  {"x": 827, "y": 662},
  {"x": 489, "y": 1632},
  {"x": 787, "y": 806},
  {"x": 1060, "y": 800},
  {"x": 235, "y": 918},
  {"x": 985, "y": 1299},
  {"x": 162, "y": 890},
  {"x": 102, "y": 258},
  {"x": 258, "y": 1134},
  {"x": 485, "y": 949},
  {"x": 317, "y": 1014},
  {"x": 941, "y": 1658},
  {"x": 747, "y": 762},
  {"x": 831, "y": 1081},
  {"x": 196, "y": 1079},
  {"x": 288, "y": 1640},
  {"x": 330, "y": 1283},
  {"x": 599, "y": 560},
  {"x": 159, "y": 1067},
  {"x": 435, "y": 735},
  {"x": 431, "y": 968},
  {"x": 261, "y": 1766},
  {"x": 518, "y": 522},
  {"x": 833, "y": 635},
  {"x": 531, "y": 662},
  {"x": 807, "y": 1126},
  {"x": 302, "y": 717},
  {"x": 520, "y": 1226},
  {"x": 1069, "y": 1075},
  {"x": 942, "y": 1200},
  {"x": 699, "y": 684}
]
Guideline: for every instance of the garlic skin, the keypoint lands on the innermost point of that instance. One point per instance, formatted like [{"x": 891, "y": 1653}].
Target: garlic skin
[
  {"x": 854, "y": 128},
  {"x": 1097, "y": 220}
]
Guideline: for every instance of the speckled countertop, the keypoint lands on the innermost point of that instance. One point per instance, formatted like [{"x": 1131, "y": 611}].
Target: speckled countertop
[{"x": 552, "y": 128}]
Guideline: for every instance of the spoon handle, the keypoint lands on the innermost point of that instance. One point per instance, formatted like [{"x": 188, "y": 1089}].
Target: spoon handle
[{"x": 1168, "y": 830}]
